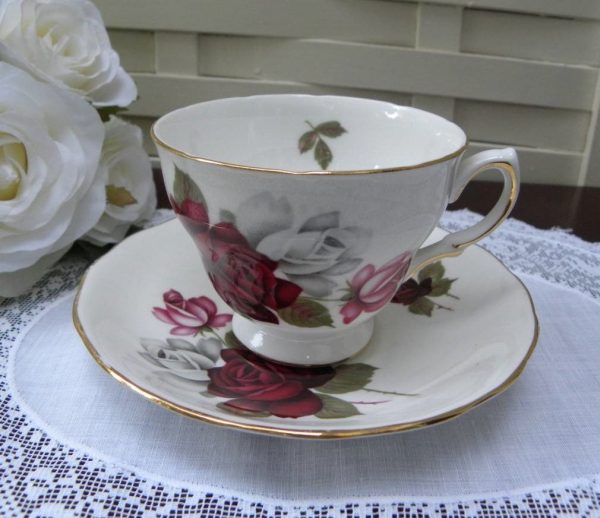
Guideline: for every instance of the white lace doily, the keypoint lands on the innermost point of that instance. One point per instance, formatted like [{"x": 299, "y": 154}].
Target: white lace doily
[{"x": 43, "y": 473}]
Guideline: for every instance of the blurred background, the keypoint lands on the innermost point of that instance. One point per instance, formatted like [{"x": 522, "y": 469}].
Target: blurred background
[{"x": 510, "y": 72}]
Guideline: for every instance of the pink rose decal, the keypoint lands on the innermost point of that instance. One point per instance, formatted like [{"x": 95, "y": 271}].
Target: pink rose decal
[
  {"x": 371, "y": 288},
  {"x": 190, "y": 316}
]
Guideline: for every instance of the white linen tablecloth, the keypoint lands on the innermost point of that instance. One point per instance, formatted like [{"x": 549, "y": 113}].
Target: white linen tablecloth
[{"x": 75, "y": 442}]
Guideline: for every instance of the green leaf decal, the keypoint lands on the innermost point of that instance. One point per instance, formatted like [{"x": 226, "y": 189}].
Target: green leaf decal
[
  {"x": 119, "y": 196},
  {"x": 227, "y": 216},
  {"x": 441, "y": 287},
  {"x": 239, "y": 411},
  {"x": 323, "y": 154},
  {"x": 184, "y": 188},
  {"x": 314, "y": 138},
  {"x": 422, "y": 306},
  {"x": 307, "y": 141},
  {"x": 434, "y": 270},
  {"x": 335, "y": 408},
  {"x": 232, "y": 341},
  {"x": 349, "y": 377},
  {"x": 331, "y": 129},
  {"x": 106, "y": 111},
  {"x": 306, "y": 312}
]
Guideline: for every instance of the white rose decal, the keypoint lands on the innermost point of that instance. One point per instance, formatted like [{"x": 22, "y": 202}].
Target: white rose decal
[
  {"x": 182, "y": 361},
  {"x": 64, "y": 42},
  {"x": 130, "y": 191},
  {"x": 316, "y": 251},
  {"x": 51, "y": 191}
]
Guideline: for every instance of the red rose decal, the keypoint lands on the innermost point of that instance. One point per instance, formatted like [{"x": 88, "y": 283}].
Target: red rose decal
[
  {"x": 192, "y": 214},
  {"x": 372, "y": 288},
  {"x": 243, "y": 277},
  {"x": 189, "y": 316},
  {"x": 411, "y": 290},
  {"x": 257, "y": 385}
]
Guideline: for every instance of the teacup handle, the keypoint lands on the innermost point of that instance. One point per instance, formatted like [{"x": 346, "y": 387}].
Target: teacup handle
[{"x": 503, "y": 160}]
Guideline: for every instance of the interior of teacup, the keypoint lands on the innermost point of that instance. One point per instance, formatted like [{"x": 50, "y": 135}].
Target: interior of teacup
[{"x": 309, "y": 133}]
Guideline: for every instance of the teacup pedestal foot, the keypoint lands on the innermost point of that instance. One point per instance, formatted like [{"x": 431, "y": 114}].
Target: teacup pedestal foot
[{"x": 303, "y": 346}]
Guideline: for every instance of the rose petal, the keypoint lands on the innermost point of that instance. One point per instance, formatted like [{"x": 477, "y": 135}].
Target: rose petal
[
  {"x": 350, "y": 311},
  {"x": 227, "y": 233},
  {"x": 392, "y": 270},
  {"x": 322, "y": 222},
  {"x": 173, "y": 297},
  {"x": 230, "y": 354},
  {"x": 285, "y": 390},
  {"x": 295, "y": 265},
  {"x": 121, "y": 91},
  {"x": 195, "y": 211},
  {"x": 262, "y": 215},
  {"x": 220, "y": 320},
  {"x": 286, "y": 293},
  {"x": 183, "y": 331},
  {"x": 196, "y": 360},
  {"x": 305, "y": 403},
  {"x": 209, "y": 347},
  {"x": 180, "y": 345},
  {"x": 362, "y": 276},
  {"x": 163, "y": 314},
  {"x": 197, "y": 311},
  {"x": 314, "y": 285},
  {"x": 205, "y": 303},
  {"x": 344, "y": 266},
  {"x": 219, "y": 391},
  {"x": 378, "y": 299},
  {"x": 305, "y": 244},
  {"x": 262, "y": 314},
  {"x": 183, "y": 318},
  {"x": 247, "y": 405}
]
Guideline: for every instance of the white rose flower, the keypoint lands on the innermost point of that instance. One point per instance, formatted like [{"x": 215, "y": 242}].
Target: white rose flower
[
  {"x": 130, "y": 192},
  {"x": 51, "y": 191},
  {"x": 64, "y": 42}
]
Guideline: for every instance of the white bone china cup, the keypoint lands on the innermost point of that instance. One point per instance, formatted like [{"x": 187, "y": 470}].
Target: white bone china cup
[{"x": 310, "y": 211}]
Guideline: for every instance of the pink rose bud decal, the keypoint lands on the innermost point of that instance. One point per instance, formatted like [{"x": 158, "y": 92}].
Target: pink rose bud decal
[
  {"x": 190, "y": 316},
  {"x": 371, "y": 288}
]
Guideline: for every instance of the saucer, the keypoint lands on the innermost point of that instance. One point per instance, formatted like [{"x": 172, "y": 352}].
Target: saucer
[{"x": 458, "y": 334}]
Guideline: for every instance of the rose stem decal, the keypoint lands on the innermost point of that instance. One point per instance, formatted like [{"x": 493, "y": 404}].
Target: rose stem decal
[
  {"x": 431, "y": 283},
  {"x": 314, "y": 139}
]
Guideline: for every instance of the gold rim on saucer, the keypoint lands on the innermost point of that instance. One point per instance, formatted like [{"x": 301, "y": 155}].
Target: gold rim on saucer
[{"x": 282, "y": 431}]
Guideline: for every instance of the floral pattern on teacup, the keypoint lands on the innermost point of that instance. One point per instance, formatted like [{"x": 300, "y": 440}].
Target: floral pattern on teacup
[
  {"x": 314, "y": 139},
  {"x": 372, "y": 288},
  {"x": 317, "y": 251},
  {"x": 263, "y": 264},
  {"x": 417, "y": 293}
]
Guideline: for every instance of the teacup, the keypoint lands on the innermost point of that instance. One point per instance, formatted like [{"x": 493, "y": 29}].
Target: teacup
[{"x": 310, "y": 211}]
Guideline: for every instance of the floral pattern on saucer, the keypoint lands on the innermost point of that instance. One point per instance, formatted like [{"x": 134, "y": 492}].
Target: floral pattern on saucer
[
  {"x": 219, "y": 366},
  {"x": 417, "y": 293}
]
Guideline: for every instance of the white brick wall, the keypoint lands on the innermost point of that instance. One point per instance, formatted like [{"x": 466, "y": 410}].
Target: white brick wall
[{"x": 516, "y": 72}]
